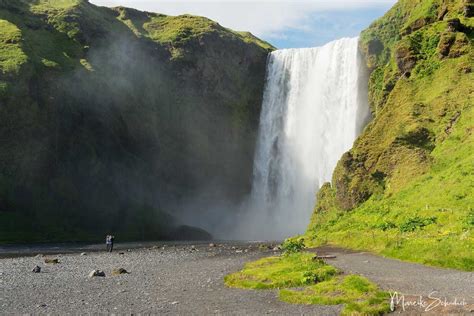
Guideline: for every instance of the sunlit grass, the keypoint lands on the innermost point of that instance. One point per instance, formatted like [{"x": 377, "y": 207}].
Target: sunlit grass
[{"x": 305, "y": 280}]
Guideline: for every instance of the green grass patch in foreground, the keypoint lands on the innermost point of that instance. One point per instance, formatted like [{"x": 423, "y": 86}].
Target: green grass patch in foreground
[{"x": 316, "y": 283}]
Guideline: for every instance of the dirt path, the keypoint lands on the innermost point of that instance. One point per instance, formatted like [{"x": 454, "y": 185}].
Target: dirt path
[
  {"x": 186, "y": 281},
  {"x": 410, "y": 280}
]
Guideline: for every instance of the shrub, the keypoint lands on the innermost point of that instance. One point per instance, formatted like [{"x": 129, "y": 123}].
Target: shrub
[
  {"x": 415, "y": 223},
  {"x": 293, "y": 245},
  {"x": 385, "y": 226}
]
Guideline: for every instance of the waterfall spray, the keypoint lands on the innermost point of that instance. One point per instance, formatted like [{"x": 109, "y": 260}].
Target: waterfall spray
[{"x": 315, "y": 104}]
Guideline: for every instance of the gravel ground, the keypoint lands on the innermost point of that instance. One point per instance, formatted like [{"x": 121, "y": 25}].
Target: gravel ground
[
  {"x": 188, "y": 280},
  {"x": 174, "y": 280}
]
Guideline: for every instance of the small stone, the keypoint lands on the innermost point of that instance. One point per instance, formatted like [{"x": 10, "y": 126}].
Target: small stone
[
  {"x": 51, "y": 261},
  {"x": 174, "y": 303},
  {"x": 119, "y": 271},
  {"x": 121, "y": 253},
  {"x": 36, "y": 269},
  {"x": 42, "y": 305},
  {"x": 238, "y": 251},
  {"x": 83, "y": 254},
  {"x": 276, "y": 248},
  {"x": 96, "y": 273},
  {"x": 193, "y": 247},
  {"x": 212, "y": 245}
]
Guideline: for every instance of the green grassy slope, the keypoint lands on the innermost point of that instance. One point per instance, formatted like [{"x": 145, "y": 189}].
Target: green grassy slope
[
  {"x": 110, "y": 117},
  {"x": 406, "y": 188}
]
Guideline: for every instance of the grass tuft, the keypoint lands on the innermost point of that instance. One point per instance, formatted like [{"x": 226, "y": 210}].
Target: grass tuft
[{"x": 304, "y": 280}]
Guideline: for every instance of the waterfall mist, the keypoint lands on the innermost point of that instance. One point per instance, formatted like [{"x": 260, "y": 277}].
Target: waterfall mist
[{"x": 314, "y": 106}]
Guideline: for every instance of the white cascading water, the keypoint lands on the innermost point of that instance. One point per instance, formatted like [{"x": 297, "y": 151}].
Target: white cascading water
[{"x": 314, "y": 106}]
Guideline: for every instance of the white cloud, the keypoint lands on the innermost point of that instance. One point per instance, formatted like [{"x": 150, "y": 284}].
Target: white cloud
[{"x": 264, "y": 18}]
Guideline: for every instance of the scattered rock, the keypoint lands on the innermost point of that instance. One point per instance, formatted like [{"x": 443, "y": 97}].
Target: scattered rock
[
  {"x": 51, "y": 261},
  {"x": 36, "y": 269},
  {"x": 39, "y": 256},
  {"x": 468, "y": 8},
  {"x": 442, "y": 13},
  {"x": 96, "y": 273},
  {"x": 454, "y": 25},
  {"x": 119, "y": 271}
]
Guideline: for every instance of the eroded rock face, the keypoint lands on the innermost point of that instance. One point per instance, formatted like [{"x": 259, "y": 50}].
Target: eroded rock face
[
  {"x": 453, "y": 45},
  {"x": 397, "y": 146},
  {"x": 406, "y": 60}
]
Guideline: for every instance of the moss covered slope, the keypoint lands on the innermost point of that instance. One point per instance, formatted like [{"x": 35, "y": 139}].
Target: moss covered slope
[
  {"x": 109, "y": 118},
  {"x": 406, "y": 188}
]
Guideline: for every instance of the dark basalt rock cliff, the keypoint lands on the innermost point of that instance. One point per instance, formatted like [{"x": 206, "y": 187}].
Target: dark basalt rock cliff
[{"x": 110, "y": 117}]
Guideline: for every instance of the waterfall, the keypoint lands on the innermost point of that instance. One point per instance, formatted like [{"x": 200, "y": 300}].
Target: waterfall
[{"x": 314, "y": 106}]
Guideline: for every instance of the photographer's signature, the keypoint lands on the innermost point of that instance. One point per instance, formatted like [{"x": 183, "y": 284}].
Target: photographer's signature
[{"x": 428, "y": 304}]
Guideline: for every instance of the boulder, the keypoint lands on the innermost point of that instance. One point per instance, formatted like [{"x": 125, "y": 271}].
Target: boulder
[
  {"x": 96, "y": 273},
  {"x": 119, "y": 271},
  {"x": 454, "y": 25},
  {"x": 36, "y": 269},
  {"x": 468, "y": 8}
]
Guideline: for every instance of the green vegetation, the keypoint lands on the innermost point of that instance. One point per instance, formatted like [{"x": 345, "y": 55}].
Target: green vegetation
[
  {"x": 406, "y": 188},
  {"x": 359, "y": 295},
  {"x": 316, "y": 283},
  {"x": 101, "y": 110},
  {"x": 11, "y": 54},
  {"x": 292, "y": 270},
  {"x": 293, "y": 245}
]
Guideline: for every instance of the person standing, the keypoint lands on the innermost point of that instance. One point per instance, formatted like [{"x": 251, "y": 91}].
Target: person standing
[{"x": 108, "y": 243}]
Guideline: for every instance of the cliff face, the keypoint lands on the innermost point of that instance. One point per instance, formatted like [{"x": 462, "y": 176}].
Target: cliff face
[
  {"x": 406, "y": 188},
  {"x": 109, "y": 117}
]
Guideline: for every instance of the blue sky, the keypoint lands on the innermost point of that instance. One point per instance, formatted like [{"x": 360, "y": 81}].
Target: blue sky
[{"x": 285, "y": 24}]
